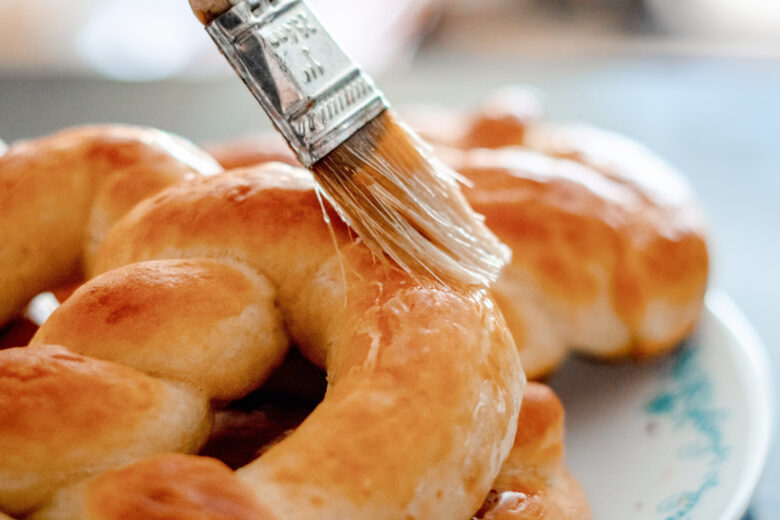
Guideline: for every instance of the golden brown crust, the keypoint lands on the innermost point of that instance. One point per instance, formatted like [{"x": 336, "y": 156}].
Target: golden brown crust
[
  {"x": 610, "y": 253},
  {"x": 252, "y": 149},
  {"x": 531, "y": 484},
  {"x": 504, "y": 118},
  {"x": 56, "y": 429},
  {"x": 382, "y": 337},
  {"x": 211, "y": 325},
  {"x": 177, "y": 319},
  {"x": 68, "y": 189},
  {"x": 617, "y": 273}
]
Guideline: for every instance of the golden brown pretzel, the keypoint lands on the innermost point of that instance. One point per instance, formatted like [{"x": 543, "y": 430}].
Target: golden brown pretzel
[
  {"x": 383, "y": 337},
  {"x": 596, "y": 266},
  {"x": 66, "y": 416}
]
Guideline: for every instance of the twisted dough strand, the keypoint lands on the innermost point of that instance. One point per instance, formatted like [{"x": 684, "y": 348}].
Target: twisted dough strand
[
  {"x": 385, "y": 348},
  {"x": 66, "y": 416},
  {"x": 177, "y": 319},
  {"x": 630, "y": 261},
  {"x": 61, "y": 193},
  {"x": 596, "y": 266}
]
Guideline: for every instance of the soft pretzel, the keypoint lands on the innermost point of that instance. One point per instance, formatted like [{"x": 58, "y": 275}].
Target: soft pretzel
[
  {"x": 609, "y": 247},
  {"x": 425, "y": 383},
  {"x": 60, "y": 194},
  {"x": 66, "y": 416},
  {"x": 382, "y": 337}
]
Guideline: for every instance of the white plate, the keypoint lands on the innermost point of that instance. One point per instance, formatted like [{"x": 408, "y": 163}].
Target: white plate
[{"x": 682, "y": 438}]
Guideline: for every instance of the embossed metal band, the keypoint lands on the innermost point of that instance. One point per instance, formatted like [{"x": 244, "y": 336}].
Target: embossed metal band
[{"x": 314, "y": 94}]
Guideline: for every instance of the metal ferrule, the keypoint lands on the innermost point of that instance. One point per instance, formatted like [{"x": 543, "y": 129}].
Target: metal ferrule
[{"x": 314, "y": 94}]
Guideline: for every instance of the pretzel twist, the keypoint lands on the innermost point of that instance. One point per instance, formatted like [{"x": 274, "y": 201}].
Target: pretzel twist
[
  {"x": 610, "y": 252},
  {"x": 175, "y": 325},
  {"x": 382, "y": 338},
  {"x": 149, "y": 347}
]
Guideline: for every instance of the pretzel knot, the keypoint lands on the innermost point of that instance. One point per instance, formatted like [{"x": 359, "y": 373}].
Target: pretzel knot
[{"x": 203, "y": 288}]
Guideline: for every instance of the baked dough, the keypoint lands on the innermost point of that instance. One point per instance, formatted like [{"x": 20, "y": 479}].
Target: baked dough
[
  {"x": 61, "y": 193},
  {"x": 199, "y": 291},
  {"x": 598, "y": 265}
]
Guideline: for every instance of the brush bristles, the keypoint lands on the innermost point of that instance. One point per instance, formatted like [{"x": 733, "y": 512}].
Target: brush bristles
[{"x": 403, "y": 202}]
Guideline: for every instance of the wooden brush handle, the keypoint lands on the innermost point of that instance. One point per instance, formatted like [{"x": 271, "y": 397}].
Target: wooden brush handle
[{"x": 208, "y": 10}]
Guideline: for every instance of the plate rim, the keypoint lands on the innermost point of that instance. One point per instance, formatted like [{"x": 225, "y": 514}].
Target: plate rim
[{"x": 753, "y": 352}]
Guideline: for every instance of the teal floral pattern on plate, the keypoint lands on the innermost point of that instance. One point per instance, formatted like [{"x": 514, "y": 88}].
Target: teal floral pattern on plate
[{"x": 687, "y": 401}]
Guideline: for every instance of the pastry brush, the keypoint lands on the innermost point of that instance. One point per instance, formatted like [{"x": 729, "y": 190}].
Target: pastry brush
[{"x": 380, "y": 177}]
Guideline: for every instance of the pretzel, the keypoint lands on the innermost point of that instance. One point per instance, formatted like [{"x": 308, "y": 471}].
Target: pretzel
[
  {"x": 425, "y": 383},
  {"x": 609, "y": 247}
]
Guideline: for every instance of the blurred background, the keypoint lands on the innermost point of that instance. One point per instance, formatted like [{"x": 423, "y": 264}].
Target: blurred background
[{"x": 698, "y": 81}]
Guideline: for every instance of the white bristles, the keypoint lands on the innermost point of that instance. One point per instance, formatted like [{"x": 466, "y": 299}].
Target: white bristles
[{"x": 405, "y": 203}]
